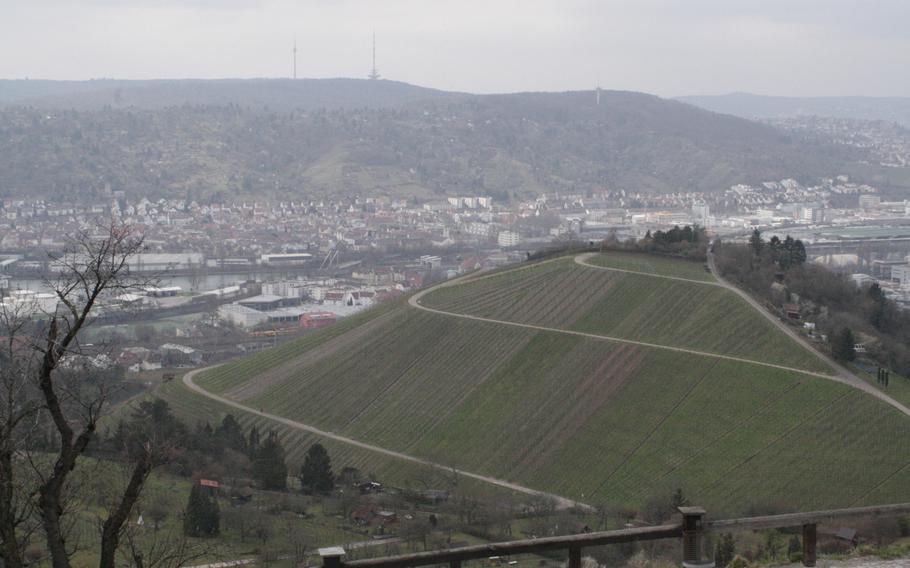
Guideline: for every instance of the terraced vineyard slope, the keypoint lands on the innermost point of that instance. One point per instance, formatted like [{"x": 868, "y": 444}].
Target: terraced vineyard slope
[
  {"x": 601, "y": 385},
  {"x": 627, "y": 305}
]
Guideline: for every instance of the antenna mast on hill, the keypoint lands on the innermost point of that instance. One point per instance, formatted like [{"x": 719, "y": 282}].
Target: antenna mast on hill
[
  {"x": 374, "y": 74},
  {"x": 597, "y": 90},
  {"x": 295, "y": 56}
]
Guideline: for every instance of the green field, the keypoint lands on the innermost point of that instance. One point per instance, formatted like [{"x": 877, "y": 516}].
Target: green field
[
  {"x": 651, "y": 264},
  {"x": 592, "y": 419},
  {"x": 668, "y": 312},
  {"x": 193, "y": 407}
]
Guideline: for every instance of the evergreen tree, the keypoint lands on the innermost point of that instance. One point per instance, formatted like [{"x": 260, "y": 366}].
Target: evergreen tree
[
  {"x": 843, "y": 345},
  {"x": 253, "y": 445},
  {"x": 774, "y": 245},
  {"x": 269, "y": 468},
  {"x": 316, "y": 473},
  {"x": 203, "y": 439},
  {"x": 687, "y": 234},
  {"x": 202, "y": 517},
  {"x": 756, "y": 243},
  {"x": 799, "y": 253},
  {"x": 785, "y": 258},
  {"x": 879, "y": 306},
  {"x": 230, "y": 434}
]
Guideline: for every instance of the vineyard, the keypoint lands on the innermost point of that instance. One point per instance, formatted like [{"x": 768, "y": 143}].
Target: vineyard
[
  {"x": 668, "y": 312},
  {"x": 651, "y": 264},
  {"x": 193, "y": 408},
  {"x": 239, "y": 371},
  {"x": 591, "y": 419}
]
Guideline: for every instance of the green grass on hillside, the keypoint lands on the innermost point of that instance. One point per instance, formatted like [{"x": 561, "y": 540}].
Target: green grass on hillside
[
  {"x": 668, "y": 312},
  {"x": 592, "y": 420},
  {"x": 192, "y": 408},
  {"x": 652, "y": 264},
  {"x": 239, "y": 370},
  {"x": 898, "y": 387},
  {"x": 595, "y": 420}
]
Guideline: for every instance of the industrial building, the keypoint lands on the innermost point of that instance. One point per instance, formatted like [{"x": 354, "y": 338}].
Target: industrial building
[{"x": 286, "y": 259}]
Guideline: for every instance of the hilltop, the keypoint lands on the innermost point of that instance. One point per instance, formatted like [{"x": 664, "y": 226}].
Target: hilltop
[
  {"x": 274, "y": 94},
  {"x": 610, "y": 379},
  {"x": 305, "y": 139}
]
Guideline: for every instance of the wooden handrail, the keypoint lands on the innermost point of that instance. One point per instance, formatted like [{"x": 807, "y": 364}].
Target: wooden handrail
[
  {"x": 810, "y": 518},
  {"x": 575, "y": 541},
  {"x": 691, "y": 530}
]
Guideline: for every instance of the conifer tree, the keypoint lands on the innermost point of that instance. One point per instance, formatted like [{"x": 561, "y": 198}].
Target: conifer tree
[
  {"x": 230, "y": 434},
  {"x": 316, "y": 473},
  {"x": 202, "y": 517},
  {"x": 253, "y": 444},
  {"x": 756, "y": 242},
  {"x": 269, "y": 468},
  {"x": 843, "y": 345}
]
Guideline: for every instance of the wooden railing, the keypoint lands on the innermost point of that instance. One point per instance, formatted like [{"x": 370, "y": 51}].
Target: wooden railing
[{"x": 691, "y": 528}]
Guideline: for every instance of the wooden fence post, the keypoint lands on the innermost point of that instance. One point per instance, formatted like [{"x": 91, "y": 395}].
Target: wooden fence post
[
  {"x": 574, "y": 557},
  {"x": 810, "y": 537}
]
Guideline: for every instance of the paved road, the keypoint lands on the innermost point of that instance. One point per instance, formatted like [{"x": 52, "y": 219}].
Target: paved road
[{"x": 562, "y": 502}]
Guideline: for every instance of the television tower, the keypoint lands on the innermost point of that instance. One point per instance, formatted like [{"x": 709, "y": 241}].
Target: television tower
[
  {"x": 295, "y": 56},
  {"x": 374, "y": 74}
]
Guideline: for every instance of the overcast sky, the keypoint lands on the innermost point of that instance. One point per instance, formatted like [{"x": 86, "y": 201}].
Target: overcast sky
[{"x": 666, "y": 47}]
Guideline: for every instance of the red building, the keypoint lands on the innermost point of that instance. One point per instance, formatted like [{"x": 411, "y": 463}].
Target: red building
[{"x": 316, "y": 320}]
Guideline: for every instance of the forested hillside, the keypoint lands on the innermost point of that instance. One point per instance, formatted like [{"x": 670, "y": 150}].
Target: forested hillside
[{"x": 413, "y": 142}]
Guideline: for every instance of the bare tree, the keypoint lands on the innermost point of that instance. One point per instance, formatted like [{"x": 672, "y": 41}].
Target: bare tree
[
  {"x": 50, "y": 411},
  {"x": 161, "y": 549}
]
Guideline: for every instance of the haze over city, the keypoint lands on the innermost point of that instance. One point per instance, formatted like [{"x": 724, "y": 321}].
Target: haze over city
[{"x": 665, "y": 47}]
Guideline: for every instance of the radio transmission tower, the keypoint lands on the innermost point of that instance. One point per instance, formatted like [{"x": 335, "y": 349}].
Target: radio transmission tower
[{"x": 374, "y": 74}]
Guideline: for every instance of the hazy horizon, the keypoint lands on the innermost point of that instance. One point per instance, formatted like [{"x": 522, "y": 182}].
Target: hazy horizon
[{"x": 705, "y": 47}]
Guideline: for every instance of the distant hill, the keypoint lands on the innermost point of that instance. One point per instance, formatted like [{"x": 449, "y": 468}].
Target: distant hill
[
  {"x": 746, "y": 105},
  {"x": 606, "y": 386},
  {"x": 275, "y": 94},
  {"x": 312, "y": 138}
]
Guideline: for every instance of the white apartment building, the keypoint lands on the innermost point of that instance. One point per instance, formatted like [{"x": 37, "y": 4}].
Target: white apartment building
[{"x": 508, "y": 238}]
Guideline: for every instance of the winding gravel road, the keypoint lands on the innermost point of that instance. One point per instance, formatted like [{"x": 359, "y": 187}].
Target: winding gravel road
[
  {"x": 843, "y": 375},
  {"x": 414, "y": 301},
  {"x": 561, "y": 502}
]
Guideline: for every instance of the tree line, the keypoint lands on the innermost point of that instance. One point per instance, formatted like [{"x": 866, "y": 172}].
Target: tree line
[
  {"x": 777, "y": 271},
  {"x": 689, "y": 241},
  {"x": 244, "y": 455}
]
